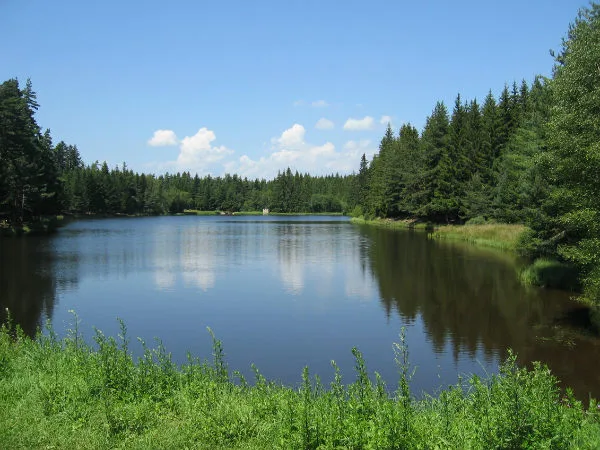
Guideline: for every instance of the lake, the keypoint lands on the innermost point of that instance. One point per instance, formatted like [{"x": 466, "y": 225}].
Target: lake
[{"x": 286, "y": 292}]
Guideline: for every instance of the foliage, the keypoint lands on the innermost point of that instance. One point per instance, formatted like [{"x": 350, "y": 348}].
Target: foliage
[
  {"x": 29, "y": 164},
  {"x": 498, "y": 235},
  {"x": 568, "y": 226},
  {"x": 531, "y": 157},
  {"x": 550, "y": 273},
  {"x": 64, "y": 393}
]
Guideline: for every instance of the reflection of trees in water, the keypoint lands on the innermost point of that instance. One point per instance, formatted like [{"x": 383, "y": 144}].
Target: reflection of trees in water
[
  {"x": 28, "y": 281},
  {"x": 472, "y": 299}
]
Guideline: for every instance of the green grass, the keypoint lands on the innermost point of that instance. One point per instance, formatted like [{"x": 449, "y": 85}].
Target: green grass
[
  {"x": 497, "y": 235},
  {"x": 550, "y": 273},
  {"x": 248, "y": 213},
  {"x": 393, "y": 224},
  {"x": 195, "y": 212},
  {"x": 62, "y": 393}
]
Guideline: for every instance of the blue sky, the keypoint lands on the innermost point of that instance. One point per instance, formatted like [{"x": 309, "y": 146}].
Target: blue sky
[{"x": 251, "y": 87}]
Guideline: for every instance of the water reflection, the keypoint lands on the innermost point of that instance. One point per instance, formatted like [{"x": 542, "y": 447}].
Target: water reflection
[
  {"x": 301, "y": 292},
  {"x": 198, "y": 249},
  {"x": 307, "y": 251},
  {"x": 28, "y": 282},
  {"x": 291, "y": 254},
  {"x": 471, "y": 300}
]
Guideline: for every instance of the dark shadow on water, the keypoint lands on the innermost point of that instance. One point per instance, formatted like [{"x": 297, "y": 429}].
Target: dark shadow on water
[
  {"x": 27, "y": 281},
  {"x": 471, "y": 298}
]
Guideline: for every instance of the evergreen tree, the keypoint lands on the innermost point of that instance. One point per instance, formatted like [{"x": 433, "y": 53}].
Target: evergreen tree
[
  {"x": 380, "y": 180},
  {"x": 490, "y": 140},
  {"x": 570, "y": 225},
  {"x": 436, "y": 198},
  {"x": 407, "y": 181}
]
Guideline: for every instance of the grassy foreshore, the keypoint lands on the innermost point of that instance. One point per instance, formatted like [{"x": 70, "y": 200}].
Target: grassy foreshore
[
  {"x": 62, "y": 393},
  {"x": 497, "y": 235},
  {"x": 393, "y": 224}
]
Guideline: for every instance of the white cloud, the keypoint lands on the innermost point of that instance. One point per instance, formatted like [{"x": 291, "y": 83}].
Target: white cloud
[
  {"x": 385, "y": 120},
  {"x": 291, "y": 137},
  {"x": 324, "y": 124},
  {"x": 353, "y": 150},
  {"x": 196, "y": 153},
  {"x": 319, "y": 104},
  {"x": 359, "y": 124},
  {"x": 299, "y": 103},
  {"x": 163, "y": 138},
  {"x": 326, "y": 150},
  {"x": 292, "y": 150}
]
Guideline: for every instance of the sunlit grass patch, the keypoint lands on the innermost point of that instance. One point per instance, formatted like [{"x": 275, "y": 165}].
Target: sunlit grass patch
[
  {"x": 407, "y": 224},
  {"x": 550, "y": 273},
  {"x": 498, "y": 235},
  {"x": 196, "y": 212}
]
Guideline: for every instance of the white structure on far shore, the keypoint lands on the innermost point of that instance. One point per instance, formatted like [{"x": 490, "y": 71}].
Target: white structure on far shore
[{"x": 265, "y": 211}]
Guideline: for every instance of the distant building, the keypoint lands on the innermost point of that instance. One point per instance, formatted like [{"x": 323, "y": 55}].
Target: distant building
[{"x": 265, "y": 211}]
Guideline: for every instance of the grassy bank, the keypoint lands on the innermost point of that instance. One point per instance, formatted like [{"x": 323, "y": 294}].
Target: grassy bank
[
  {"x": 196, "y": 212},
  {"x": 497, "y": 235},
  {"x": 393, "y": 224},
  {"x": 550, "y": 273},
  {"x": 64, "y": 394}
]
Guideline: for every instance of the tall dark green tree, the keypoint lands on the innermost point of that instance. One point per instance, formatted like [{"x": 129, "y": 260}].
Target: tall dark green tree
[
  {"x": 570, "y": 225},
  {"x": 437, "y": 200},
  {"x": 28, "y": 184},
  {"x": 380, "y": 176},
  {"x": 406, "y": 180}
]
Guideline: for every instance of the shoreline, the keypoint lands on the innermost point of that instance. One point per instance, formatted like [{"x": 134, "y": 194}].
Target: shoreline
[
  {"x": 64, "y": 393},
  {"x": 49, "y": 225},
  {"x": 495, "y": 235}
]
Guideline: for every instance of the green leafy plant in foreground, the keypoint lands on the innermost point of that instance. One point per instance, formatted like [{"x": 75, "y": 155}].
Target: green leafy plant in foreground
[{"x": 64, "y": 393}]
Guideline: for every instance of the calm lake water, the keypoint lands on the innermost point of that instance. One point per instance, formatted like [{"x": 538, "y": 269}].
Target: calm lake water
[{"x": 286, "y": 292}]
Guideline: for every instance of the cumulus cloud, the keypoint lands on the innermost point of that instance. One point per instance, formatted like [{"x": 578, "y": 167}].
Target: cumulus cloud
[
  {"x": 324, "y": 124},
  {"x": 196, "y": 153},
  {"x": 291, "y": 149},
  {"x": 197, "y": 150},
  {"x": 365, "y": 123},
  {"x": 354, "y": 149},
  {"x": 162, "y": 138},
  {"x": 385, "y": 120},
  {"x": 292, "y": 136}
]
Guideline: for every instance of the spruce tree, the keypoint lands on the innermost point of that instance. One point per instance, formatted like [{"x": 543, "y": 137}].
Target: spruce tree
[
  {"x": 436, "y": 197},
  {"x": 570, "y": 225}
]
